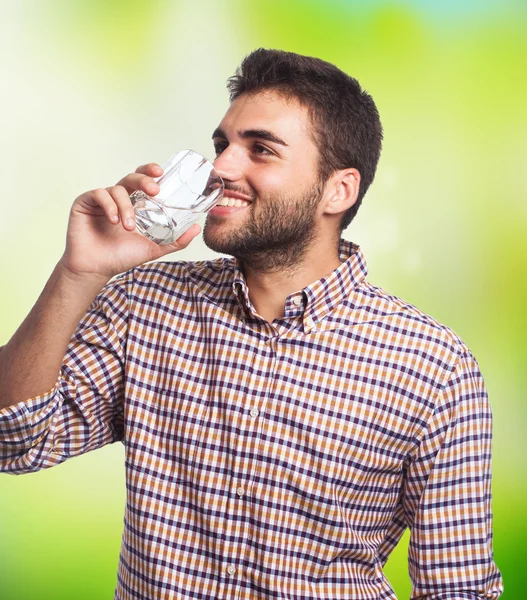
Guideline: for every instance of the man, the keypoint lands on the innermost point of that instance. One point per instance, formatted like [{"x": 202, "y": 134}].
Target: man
[{"x": 284, "y": 421}]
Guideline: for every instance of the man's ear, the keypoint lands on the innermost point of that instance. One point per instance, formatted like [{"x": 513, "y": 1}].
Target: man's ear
[{"x": 342, "y": 191}]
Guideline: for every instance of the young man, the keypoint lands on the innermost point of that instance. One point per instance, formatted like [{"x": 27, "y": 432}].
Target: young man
[{"x": 284, "y": 421}]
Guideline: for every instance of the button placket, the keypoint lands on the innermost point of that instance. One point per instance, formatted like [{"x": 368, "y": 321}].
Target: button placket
[
  {"x": 273, "y": 345},
  {"x": 239, "y": 503}
]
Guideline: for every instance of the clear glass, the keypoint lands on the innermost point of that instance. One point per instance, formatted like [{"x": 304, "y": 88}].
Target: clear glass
[{"x": 188, "y": 188}]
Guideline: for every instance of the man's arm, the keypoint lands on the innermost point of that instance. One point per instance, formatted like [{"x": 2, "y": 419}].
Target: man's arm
[
  {"x": 101, "y": 243},
  {"x": 31, "y": 361},
  {"x": 447, "y": 495},
  {"x": 59, "y": 395},
  {"x": 83, "y": 410}
]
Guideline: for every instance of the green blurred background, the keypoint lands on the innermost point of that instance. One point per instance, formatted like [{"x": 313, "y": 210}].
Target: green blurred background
[{"x": 93, "y": 89}]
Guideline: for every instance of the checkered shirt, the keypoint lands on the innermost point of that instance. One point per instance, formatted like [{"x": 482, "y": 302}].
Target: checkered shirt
[{"x": 274, "y": 460}]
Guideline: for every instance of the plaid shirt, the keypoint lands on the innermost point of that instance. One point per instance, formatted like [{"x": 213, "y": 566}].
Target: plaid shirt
[{"x": 279, "y": 460}]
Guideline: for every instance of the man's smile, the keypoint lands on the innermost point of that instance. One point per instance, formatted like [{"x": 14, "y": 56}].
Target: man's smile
[{"x": 231, "y": 202}]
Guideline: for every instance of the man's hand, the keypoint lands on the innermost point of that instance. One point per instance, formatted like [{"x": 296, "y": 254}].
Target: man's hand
[{"x": 102, "y": 240}]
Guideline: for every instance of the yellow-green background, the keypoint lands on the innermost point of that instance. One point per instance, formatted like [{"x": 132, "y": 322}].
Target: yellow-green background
[{"x": 91, "y": 89}]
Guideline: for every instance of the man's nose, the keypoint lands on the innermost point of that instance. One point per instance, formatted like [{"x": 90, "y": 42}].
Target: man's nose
[{"x": 228, "y": 165}]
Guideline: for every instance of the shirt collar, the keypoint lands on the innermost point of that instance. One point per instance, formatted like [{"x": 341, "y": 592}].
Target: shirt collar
[
  {"x": 324, "y": 295},
  {"x": 320, "y": 297}
]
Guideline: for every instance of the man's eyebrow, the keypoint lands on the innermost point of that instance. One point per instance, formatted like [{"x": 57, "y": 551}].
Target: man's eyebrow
[
  {"x": 263, "y": 134},
  {"x": 219, "y": 133}
]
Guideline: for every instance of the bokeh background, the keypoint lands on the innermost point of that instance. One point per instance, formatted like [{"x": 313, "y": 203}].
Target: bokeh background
[{"x": 90, "y": 89}]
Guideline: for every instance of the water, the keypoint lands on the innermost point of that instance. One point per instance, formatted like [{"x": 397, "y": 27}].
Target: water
[{"x": 160, "y": 224}]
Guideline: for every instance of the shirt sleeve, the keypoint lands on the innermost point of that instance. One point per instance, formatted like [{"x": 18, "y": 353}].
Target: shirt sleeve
[
  {"x": 447, "y": 495},
  {"x": 84, "y": 410}
]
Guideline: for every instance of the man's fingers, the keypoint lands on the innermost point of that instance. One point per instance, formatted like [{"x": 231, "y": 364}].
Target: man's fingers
[
  {"x": 143, "y": 179},
  {"x": 137, "y": 181},
  {"x": 102, "y": 198},
  {"x": 151, "y": 169},
  {"x": 124, "y": 207}
]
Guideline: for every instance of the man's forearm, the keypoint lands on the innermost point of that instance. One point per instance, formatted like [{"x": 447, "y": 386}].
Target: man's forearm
[{"x": 30, "y": 362}]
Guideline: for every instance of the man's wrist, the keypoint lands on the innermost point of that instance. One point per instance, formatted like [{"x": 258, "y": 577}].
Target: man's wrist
[{"x": 88, "y": 280}]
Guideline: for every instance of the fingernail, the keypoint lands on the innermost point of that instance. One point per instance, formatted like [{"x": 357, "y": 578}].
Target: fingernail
[{"x": 130, "y": 222}]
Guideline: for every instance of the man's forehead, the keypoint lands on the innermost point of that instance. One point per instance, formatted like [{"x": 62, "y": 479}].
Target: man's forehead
[{"x": 267, "y": 110}]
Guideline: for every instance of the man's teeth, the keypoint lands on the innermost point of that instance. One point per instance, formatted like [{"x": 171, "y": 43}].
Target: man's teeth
[{"x": 232, "y": 202}]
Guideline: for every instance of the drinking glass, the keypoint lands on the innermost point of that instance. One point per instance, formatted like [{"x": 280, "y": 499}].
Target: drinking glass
[{"x": 188, "y": 188}]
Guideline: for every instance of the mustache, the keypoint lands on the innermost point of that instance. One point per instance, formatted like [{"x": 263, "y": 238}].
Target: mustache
[{"x": 240, "y": 190}]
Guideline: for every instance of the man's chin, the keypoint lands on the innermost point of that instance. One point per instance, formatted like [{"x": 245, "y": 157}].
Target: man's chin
[{"x": 216, "y": 239}]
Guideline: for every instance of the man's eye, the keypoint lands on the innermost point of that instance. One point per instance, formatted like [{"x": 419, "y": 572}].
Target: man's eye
[
  {"x": 259, "y": 149},
  {"x": 219, "y": 148}
]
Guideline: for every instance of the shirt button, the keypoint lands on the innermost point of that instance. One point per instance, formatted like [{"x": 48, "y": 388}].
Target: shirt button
[
  {"x": 240, "y": 491},
  {"x": 297, "y": 301},
  {"x": 231, "y": 569},
  {"x": 309, "y": 322},
  {"x": 255, "y": 412}
]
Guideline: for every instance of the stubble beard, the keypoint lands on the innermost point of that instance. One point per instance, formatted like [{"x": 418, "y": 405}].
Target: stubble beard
[{"x": 276, "y": 238}]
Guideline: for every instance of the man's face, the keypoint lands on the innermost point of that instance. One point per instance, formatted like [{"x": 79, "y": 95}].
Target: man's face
[{"x": 268, "y": 161}]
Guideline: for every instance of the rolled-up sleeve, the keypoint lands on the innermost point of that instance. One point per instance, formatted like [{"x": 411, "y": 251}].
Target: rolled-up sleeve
[
  {"x": 447, "y": 496},
  {"x": 84, "y": 410}
]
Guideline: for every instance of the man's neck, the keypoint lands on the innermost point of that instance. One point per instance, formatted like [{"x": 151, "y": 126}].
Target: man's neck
[{"x": 269, "y": 291}]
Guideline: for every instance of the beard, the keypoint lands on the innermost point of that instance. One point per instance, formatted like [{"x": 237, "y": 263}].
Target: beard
[{"x": 276, "y": 234}]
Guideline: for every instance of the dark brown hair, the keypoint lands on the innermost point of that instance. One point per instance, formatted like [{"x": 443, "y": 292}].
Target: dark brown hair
[{"x": 346, "y": 124}]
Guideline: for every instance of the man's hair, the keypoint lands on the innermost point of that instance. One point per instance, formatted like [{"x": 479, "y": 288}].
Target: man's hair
[{"x": 346, "y": 125}]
